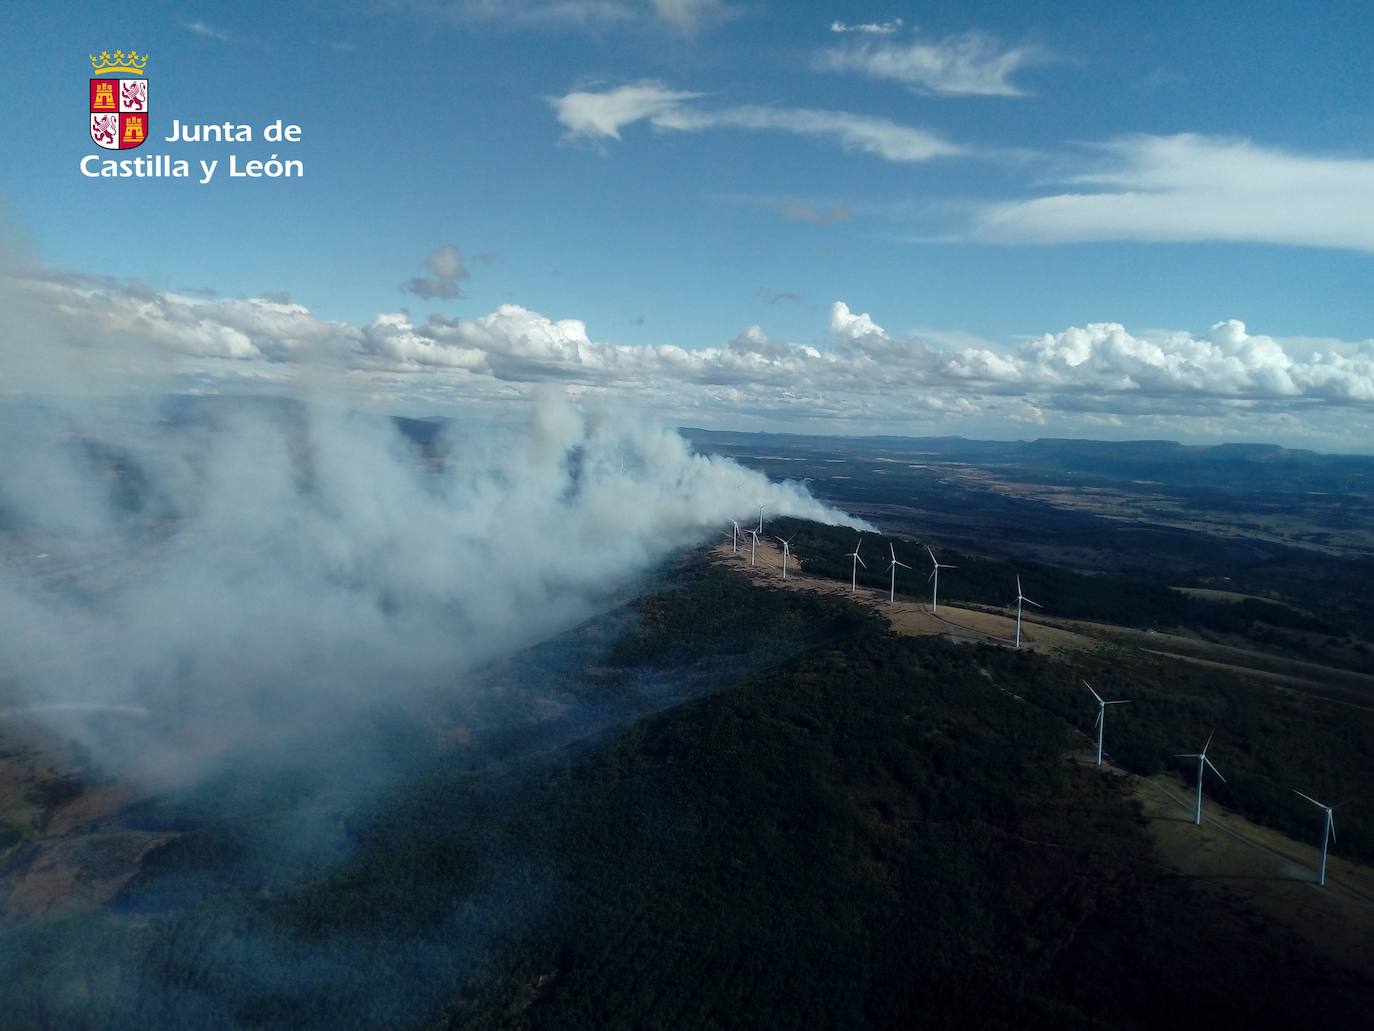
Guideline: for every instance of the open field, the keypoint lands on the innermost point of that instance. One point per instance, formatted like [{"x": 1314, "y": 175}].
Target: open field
[
  {"x": 906, "y": 616},
  {"x": 1270, "y": 871}
]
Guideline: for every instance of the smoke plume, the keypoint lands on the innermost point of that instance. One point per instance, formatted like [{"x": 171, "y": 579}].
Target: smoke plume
[{"x": 246, "y": 569}]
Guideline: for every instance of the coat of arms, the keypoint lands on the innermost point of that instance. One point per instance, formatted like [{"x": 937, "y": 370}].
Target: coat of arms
[{"x": 119, "y": 106}]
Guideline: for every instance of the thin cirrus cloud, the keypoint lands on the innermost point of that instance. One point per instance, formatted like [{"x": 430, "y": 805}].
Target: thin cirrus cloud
[
  {"x": 692, "y": 15},
  {"x": 863, "y": 376},
  {"x": 868, "y": 28},
  {"x": 965, "y": 64},
  {"x": 601, "y": 115},
  {"x": 803, "y": 211},
  {"x": 1193, "y": 188},
  {"x": 207, "y": 31},
  {"x": 687, "y": 16}
]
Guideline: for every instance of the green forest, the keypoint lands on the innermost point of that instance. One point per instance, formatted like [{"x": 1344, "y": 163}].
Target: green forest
[{"x": 856, "y": 830}]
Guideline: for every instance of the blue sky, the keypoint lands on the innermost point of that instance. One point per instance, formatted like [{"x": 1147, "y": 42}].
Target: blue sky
[{"x": 991, "y": 184}]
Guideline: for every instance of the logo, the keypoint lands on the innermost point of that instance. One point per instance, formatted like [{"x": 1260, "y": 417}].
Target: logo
[{"x": 119, "y": 107}]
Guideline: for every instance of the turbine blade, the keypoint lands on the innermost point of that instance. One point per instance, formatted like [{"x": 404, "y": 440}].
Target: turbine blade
[
  {"x": 1331, "y": 827},
  {"x": 893, "y": 550},
  {"x": 1310, "y": 799},
  {"x": 931, "y": 576},
  {"x": 1035, "y": 603},
  {"x": 1214, "y": 769},
  {"x": 903, "y": 565},
  {"x": 1090, "y": 688},
  {"x": 1209, "y": 741},
  {"x": 860, "y": 561},
  {"x": 1118, "y": 701},
  {"x": 1099, "y": 717},
  {"x": 1186, "y": 755},
  {"x": 931, "y": 554}
]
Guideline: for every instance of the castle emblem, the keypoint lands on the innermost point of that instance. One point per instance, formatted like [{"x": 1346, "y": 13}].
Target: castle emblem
[{"x": 119, "y": 106}]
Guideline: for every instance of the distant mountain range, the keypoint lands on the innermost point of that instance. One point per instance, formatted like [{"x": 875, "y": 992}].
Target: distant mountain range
[{"x": 1269, "y": 466}]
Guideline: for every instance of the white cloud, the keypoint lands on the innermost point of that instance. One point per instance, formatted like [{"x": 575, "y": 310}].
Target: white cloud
[
  {"x": 868, "y": 28},
  {"x": 601, "y": 115},
  {"x": 207, "y": 31},
  {"x": 866, "y": 377},
  {"x": 867, "y": 134},
  {"x": 1197, "y": 188},
  {"x": 845, "y": 325},
  {"x": 966, "y": 64},
  {"x": 680, "y": 15}
]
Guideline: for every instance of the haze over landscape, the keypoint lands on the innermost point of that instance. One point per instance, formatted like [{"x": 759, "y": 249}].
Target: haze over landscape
[{"x": 488, "y": 580}]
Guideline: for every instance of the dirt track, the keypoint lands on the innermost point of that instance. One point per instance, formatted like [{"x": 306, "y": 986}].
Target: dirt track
[{"x": 907, "y": 616}]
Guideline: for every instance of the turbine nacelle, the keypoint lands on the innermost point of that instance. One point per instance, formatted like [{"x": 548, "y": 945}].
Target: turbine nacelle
[
  {"x": 1328, "y": 809},
  {"x": 1021, "y": 597},
  {"x": 1101, "y": 722},
  {"x": 894, "y": 563}
]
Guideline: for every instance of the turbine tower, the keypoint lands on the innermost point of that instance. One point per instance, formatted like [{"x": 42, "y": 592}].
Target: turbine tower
[
  {"x": 735, "y": 547},
  {"x": 753, "y": 543},
  {"x": 892, "y": 591},
  {"x": 1019, "y": 599},
  {"x": 786, "y": 550},
  {"x": 762, "y": 506},
  {"x": 1328, "y": 832},
  {"x": 1101, "y": 711},
  {"x": 854, "y": 566},
  {"x": 1202, "y": 761},
  {"x": 936, "y": 566}
]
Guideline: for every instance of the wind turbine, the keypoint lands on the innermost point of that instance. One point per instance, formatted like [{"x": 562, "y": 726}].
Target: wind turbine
[
  {"x": 1102, "y": 712},
  {"x": 936, "y": 566},
  {"x": 786, "y": 550},
  {"x": 1202, "y": 760},
  {"x": 1328, "y": 832},
  {"x": 736, "y": 544},
  {"x": 762, "y": 506},
  {"x": 1019, "y": 599},
  {"x": 753, "y": 543},
  {"x": 854, "y": 566},
  {"x": 892, "y": 591}
]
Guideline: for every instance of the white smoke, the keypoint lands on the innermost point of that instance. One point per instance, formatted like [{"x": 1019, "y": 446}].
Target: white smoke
[{"x": 276, "y": 565}]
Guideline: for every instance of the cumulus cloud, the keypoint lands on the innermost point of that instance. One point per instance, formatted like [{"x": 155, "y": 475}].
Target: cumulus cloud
[
  {"x": 966, "y": 64},
  {"x": 446, "y": 272},
  {"x": 601, "y": 115},
  {"x": 1189, "y": 187},
  {"x": 863, "y": 375}
]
